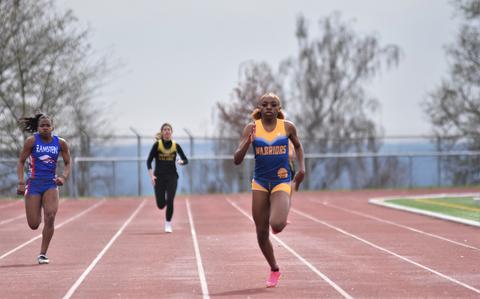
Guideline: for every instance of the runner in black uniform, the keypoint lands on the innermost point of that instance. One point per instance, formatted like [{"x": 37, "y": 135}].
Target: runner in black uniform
[{"x": 164, "y": 177}]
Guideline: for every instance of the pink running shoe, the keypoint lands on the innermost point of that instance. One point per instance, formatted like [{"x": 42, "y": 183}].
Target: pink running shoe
[{"x": 273, "y": 279}]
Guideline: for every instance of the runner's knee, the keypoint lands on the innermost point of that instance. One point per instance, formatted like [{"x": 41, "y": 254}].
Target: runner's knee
[
  {"x": 49, "y": 218},
  {"x": 278, "y": 226},
  {"x": 34, "y": 225}
]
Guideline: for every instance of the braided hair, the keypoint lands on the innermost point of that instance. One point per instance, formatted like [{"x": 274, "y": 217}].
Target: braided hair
[{"x": 30, "y": 124}]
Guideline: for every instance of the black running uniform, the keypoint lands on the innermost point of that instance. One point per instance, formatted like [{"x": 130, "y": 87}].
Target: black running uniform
[{"x": 165, "y": 154}]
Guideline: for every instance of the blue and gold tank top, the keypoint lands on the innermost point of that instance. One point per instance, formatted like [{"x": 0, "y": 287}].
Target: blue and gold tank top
[
  {"x": 271, "y": 153},
  {"x": 43, "y": 160}
]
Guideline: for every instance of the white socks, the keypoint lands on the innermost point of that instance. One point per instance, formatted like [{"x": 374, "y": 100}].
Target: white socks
[{"x": 168, "y": 226}]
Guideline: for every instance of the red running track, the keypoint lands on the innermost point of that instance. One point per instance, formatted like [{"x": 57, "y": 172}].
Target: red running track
[{"x": 337, "y": 246}]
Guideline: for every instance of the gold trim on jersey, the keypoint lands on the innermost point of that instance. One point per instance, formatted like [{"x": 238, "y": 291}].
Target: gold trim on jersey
[
  {"x": 161, "y": 147},
  {"x": 270, "y": 137},
  {"x": 285, "y": 187},
  {"x": 166, "y": 154}
]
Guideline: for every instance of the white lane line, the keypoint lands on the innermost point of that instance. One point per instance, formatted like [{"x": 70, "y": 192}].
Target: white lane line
[
  {"x": 12, "y": 219},
  {"x": 387, "y": 251},
  {"x": 396, "y": 224},
  {"x": 92, "y": 265},
  {"x": 56, "y": 227},
  {"x": 198, "y": 257},
  {"x": 10, "y": 204},
  {"x": 303, "y": 260}
]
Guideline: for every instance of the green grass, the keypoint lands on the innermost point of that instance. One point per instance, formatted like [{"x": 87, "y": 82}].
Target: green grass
[{"x": 461, "y": 207}]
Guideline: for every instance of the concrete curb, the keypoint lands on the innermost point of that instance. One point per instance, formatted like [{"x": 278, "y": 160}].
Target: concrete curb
[{"x": 381, "y": 201}]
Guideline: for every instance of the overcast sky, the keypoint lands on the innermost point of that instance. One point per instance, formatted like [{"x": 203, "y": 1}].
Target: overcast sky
[{"x": 181, "y": 57}]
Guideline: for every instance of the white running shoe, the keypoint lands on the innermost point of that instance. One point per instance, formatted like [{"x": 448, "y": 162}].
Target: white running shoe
[
  {"x": 42, "y": 259},
  {"x": 168, "y": 226}
]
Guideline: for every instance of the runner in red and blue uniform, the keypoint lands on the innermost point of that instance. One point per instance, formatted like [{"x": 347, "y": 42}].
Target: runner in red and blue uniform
[{"x": 41, "y": 191}]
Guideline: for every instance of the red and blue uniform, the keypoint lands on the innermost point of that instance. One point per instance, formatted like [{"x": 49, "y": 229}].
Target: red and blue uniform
[
  {"x": 271, "y": 172},
  {"x": 42, "y": 165}
]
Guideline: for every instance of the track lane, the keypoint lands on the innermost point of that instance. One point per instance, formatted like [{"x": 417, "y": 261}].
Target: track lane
[
  {"x": 233, "y": 262},
  {"x": 146, "y": 262},
  {"x": 453, "y": 263},
  {"x": 7, "y": 203},
  {"x": 17, "y": 234},
  {"x": 72, "y": 250},
  {"x": 362, "y": 270},
  {"x": 358, "y": 201}
]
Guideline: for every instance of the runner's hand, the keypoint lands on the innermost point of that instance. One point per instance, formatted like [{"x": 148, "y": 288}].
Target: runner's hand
[
  {"x": 298, "y": 179},
  {"x": 21, "y": 189},
  {"x": 253, "y": 133},
  {"x": 60, "y": 180}
]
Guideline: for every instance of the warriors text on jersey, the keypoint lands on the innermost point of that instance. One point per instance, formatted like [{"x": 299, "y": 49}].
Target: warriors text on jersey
[
  {"x": 43, "y": 160},
  {"x": 271, "y": 153}
]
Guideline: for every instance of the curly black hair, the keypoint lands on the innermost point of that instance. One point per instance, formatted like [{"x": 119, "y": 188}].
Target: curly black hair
[{"x": 30, "y": 124}]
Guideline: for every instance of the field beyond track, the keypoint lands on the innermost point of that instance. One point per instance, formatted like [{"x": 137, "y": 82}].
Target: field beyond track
[{"x": 462, "y": 207}]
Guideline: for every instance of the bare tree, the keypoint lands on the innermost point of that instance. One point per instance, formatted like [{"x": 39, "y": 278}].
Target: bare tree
[
  {"x": 469, "y": 8},
  {"x": 453, "y": 108},
  {"x": 255, "y": 79},
  {"x": 47, "y": 64},
  {"x": 327, "y": 95},
  {"x": 326, "y": 99}
]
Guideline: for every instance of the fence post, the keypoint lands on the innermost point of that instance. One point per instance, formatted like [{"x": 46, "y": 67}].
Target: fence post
[
  {"x": 83, "y": 172},
  {"x": 469, "y": 169},
  {"x": 190, "y": 178},
  {"x": 114, "y": 177},
  {"x": 439, "y": 162},
  {"x": 308, "y": 173},
  {"x": 69, "y": 181},
  {"x": 410, "y": 171},
  {"x": 74, "y": 178},
  {"x": 139, "y": 166}
]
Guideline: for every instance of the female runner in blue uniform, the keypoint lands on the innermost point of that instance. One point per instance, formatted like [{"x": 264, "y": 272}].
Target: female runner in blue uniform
[
  {"x": 41, "y": 191},
  {"x": 271, "y": 185}
]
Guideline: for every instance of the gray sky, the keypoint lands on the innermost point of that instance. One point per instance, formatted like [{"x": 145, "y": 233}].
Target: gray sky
[{"x": 181, "y": 57}]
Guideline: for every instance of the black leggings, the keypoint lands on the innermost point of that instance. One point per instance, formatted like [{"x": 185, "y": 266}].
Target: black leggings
[{"x": 165, "y": 189}]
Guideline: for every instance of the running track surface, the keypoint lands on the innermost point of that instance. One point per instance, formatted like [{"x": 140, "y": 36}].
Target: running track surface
[{"x": 336, "y": 246}]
